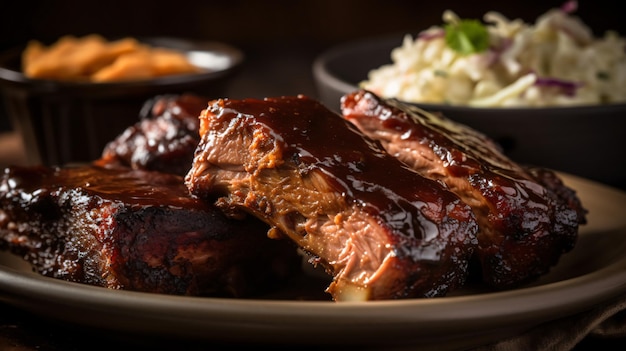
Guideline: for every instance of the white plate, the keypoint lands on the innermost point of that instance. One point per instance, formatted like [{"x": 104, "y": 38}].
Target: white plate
[{"x": 594, "y": 272}]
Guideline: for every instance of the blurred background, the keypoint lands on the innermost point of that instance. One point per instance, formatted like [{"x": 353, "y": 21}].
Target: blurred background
[{"x": 280, "y": 38}]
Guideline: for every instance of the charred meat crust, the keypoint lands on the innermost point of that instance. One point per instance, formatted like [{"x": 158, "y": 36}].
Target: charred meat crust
[
  {"x": 164, "y": 139},
  {"x": 135, "y": 230},
  {"x": 527, "y": 217},
  {"x": 380, "y": 229}
]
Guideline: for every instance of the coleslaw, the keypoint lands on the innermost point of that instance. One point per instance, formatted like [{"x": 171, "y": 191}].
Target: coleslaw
[{"x": 555, "y": 62}]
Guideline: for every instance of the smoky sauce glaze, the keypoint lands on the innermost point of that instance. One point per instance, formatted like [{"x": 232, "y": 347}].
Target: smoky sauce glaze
[
  {"x": 318, "y": 140},
  {"x": 467, "y": 153},
  {"x": 134, "y": 187}
]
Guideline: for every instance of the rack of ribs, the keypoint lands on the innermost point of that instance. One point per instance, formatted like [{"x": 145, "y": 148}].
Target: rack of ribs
[
  {"x": 527, "y": 217},
  {"x": 381, "y": 230},
  {"x": 135, "y": 230}
]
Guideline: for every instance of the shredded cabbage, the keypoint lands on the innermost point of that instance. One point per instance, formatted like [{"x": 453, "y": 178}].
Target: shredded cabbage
[{"x": 555, "y": 62}]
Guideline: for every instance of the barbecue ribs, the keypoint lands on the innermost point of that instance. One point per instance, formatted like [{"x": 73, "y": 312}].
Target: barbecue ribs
[
  {"x": 164, "y": 139},
  {"x": 527, "y": 217},
  {"x": 135, "y": 230},
  {"x": 381, "y": 230}
]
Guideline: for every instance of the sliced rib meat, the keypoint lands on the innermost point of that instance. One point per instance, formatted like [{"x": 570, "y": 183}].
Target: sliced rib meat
[
  {"x": 381, "y": 230},
  {"x": 135, "y": 230},
  {"x": 527, "y": 217}
]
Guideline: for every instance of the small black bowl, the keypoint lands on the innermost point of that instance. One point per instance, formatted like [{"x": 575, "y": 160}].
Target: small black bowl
[
  {"x": 71, "y": 122},
  {"x": 588, "y": 141}
]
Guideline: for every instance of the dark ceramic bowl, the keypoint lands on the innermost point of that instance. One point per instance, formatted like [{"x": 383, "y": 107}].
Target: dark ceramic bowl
[
  {"x": 67, "y": 122},
  {"x": 588, "y": 141}
]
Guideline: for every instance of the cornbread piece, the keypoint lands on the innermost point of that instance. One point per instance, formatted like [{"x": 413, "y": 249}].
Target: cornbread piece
[
  {"x": 135, "y": 230},
  {"x": 381, "y": 230},
  {"x": 527, "y": 217},
  {"x": 164, "y": 139}
]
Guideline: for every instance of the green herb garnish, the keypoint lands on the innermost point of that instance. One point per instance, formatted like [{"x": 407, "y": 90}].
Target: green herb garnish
[
  {"x": 467, "y": 36},
  {"x": 440, "y": 73}
]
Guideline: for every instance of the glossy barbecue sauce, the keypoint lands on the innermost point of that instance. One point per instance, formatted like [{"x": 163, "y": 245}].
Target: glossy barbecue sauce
[
  {"x": 465, "y": 153},
  {"x": 185, "y": 107},
  {"x": 133, "y": 187},
  {"x": 318, "y": 140}
]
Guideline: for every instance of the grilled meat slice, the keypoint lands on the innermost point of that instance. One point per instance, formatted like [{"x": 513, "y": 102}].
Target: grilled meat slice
[
  {"x": 381, "y": 230},
  {"x": 527, "y": 217},
  {"x": 135, "y": 230},
  {"x": 164, "y": 139}
]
